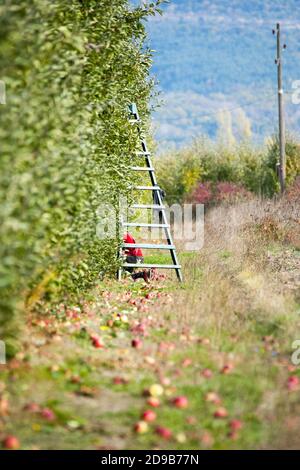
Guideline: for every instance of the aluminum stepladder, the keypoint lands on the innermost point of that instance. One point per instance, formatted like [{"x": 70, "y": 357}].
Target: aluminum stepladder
[{"x": 156, "y": 191}]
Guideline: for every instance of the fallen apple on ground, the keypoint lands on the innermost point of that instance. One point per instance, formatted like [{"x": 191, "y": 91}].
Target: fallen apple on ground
[
  {"x": 163, "y": 432},
  {"x": 153, "y": 401},
  {"x": 32, "y": 407},
  {"x": 141, "y": 427},
  {"x": 180, "y": 402},
  {"x": 156, "y": 390},
  {"x": 207, "y": 373},
  {"x": 48, "y": 414},
  {"x": 136, "y": 343},
  {"x": 213, "y": 397},
  {"x": 11, "y": 442},
  {"x": 148, "y": 416},
  {"x": 235, "y": 425},
  {"x": 221, "y": 413},
  {"x": 227, "y": 368},
  {"x": 293, "y": 383},
  {"x": 96, "y": 341}
]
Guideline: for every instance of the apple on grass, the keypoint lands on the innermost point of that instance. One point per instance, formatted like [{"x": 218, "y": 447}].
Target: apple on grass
[
  {"x": 11, "y": 442},
  {"x": 119, "y": 380},
  {"x": 148, "y": 416},
  {"x": 207, "y": 373},
  {"x": 32, "y": 407},
  {"x": 96, "y": 341},
  {"x": 48, "y": 414},
  {"x": 207, "y": 439},
  {"x": 165, "y": 433},
  {"x": 213, "y": 397},
  {"x": 153, "y": 401},
  {"x": 235, "y": 425},
  {"x": 180, "y": 402},
  {"x": 221, "y": 412},
  {"x": 227, "y": 368},
  {"x": 141, "y": 427},
  {"x": 136, "y": 343},
  {"x": 293, "y": 383}
]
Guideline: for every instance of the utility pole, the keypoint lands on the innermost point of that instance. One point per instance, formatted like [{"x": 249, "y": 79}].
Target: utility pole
[{"x": 278, "y": 62}]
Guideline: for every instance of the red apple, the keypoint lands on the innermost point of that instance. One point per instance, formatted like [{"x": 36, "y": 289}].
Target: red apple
[
  {"x": 32, "y": 407},
  {"x": 136, "y": 343},
  {"x": 11, "y": 443},
  {"x": 293, "y": 383},
  {"x": 48, "y": 414},
  {"x": 191, "y": 420},
  {"x": 119, "y": 380},
  {"x": 165, "y": 381},
  {"x": 221, "y": 413},
  {"x": 148, "y": 416},
  {"x": 187, "y": 362},
  {"x": 97, "y": 343},
  {"x": 180, "y": 402},
  {"x": 227, "y": 368},
  {"x": 163, "y": 432},
  {"x": 235, "y": 425},
  {"x": 213, "y": 397},
  {"x": 207, "y": 373},
  {"x": 234, "y": 435},
  {"x": 141, "y": 427},
  {"x": 153, "y": 401},
  {"x": 207, "y": 440}
]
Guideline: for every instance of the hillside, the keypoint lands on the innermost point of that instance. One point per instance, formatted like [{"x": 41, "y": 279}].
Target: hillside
[{"x": 220, "y": 55}]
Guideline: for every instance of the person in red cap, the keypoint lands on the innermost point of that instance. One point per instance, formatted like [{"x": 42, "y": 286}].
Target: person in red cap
[{"x": 135, "y": 256}]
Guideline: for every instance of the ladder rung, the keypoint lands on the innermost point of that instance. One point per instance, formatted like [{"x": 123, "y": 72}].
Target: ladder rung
[
  {"x": 159, "y": 266},
  {"x": 139, "y": 224},
  {"x": 143, "y": 154},
  {"x": 141, "y": 168},
  {"x": 147, "y": 206},
  {"x": 133, "y": 121},
  {"x": 147, "y": 188},
  {"x": 148, "y": 246}
]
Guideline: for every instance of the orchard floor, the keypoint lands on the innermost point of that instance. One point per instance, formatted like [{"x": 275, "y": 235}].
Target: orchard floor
[{"x": 223, "y": 340}]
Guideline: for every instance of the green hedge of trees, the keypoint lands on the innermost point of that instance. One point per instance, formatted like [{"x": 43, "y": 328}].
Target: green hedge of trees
[{"x": 70, "y": 68}]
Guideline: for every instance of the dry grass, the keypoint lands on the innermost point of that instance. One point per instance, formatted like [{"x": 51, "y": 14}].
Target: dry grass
[
  {"x": 232, "y": 274},
  {"x": 232, "y": 291}
]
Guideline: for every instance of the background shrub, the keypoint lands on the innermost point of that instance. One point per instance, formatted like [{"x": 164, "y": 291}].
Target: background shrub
[
  {"x": 243, "y": 166},
  {"x": 270, "y": 179}
]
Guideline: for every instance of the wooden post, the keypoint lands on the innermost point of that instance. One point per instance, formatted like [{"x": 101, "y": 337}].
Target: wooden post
[{"x": 278, "y": 61}]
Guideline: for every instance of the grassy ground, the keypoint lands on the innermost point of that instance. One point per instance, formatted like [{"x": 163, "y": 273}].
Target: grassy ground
[{"x": 222, "y": 340}]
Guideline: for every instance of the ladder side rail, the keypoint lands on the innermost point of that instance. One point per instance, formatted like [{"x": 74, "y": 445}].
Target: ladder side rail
[{"x": 160, "y": 202}]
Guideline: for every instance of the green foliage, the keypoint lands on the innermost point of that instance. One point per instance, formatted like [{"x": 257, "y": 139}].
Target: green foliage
[
  {"x": 178, "y": 174},
  {"x": 70, "y": 69},
  {"x": 270, "y": 179},
  {"x": 205, "y": 161},
  {"x": 241, "y": 164}
]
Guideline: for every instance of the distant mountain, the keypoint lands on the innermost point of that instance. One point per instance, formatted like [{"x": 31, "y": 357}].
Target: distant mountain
[{"x": 214, "y": 55}]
